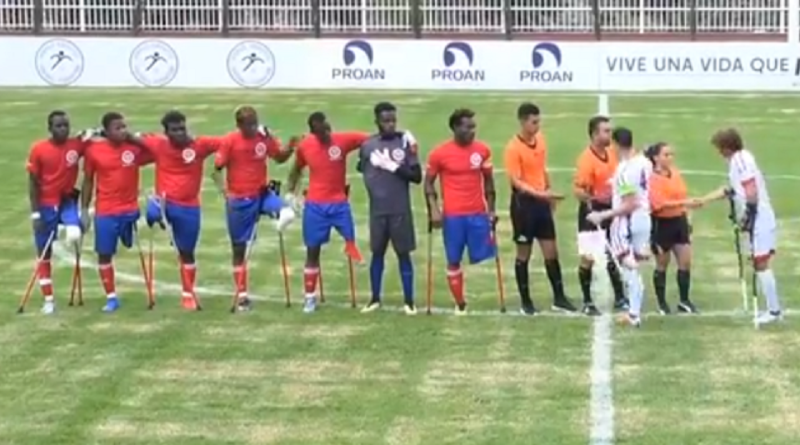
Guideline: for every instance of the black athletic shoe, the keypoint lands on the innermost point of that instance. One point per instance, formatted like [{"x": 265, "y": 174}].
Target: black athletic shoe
[
  {"x": 562, "y": 304},
  {"x": 527, "y": 308},
  {"x": 590, "y": 309},
  {"x": 622, "y": 304},
  {"x": 663, "y": 308},
  {"x": 244, "y": 305},
  {"x": 687, "y": 307}
]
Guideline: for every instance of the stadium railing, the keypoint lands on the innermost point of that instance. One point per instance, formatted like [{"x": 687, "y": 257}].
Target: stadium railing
[{"x": 579, "y": 19}]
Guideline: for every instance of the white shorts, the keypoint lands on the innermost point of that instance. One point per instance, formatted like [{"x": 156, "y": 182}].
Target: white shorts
[
  {"x": 590, "y": 243},
  {"x": 630, "y": 236},
  {"x": 763, "y": 240}
]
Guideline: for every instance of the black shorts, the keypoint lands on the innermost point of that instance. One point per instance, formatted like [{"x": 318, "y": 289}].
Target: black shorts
[
  {"x": 583, "y": 211},
  {"x": 669, "y": 232},
  {"x": 531, "y": 218},
  {"x": 397, "y": 229}
]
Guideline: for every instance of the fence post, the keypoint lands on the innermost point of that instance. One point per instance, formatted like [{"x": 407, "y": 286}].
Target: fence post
[
  {"x": 793, "y": 23},
  {"x": 38, "y": 16},
  {"x": 508, "y": 20},
  {"x": 693, "y": 20},
  {"x": 597, "y": 22},
  {"x": 225, "y": 17},
  {"x": 138, "y": 12},
  {"x": 416, "y": 18},
  {"x": 316, "y": 19}
]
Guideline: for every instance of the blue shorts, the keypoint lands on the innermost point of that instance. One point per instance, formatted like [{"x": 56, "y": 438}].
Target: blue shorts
[
  {"x": 471, "y": 232},
  {"x": 184, "y": 221},
  {"x": 108, "y": 229},
  {"x": 51, "y": 216},
  {"x": 319, "y": 219},
  {"x": 243, "y": 215}
]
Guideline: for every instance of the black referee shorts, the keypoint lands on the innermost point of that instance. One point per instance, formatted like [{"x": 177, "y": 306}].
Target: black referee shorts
[
  {"x": 669, "y": 232},
  {"x": 531, "y": 218}
]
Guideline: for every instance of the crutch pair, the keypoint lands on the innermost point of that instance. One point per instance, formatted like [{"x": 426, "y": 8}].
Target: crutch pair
[
  {"x": 497, "y": 263},
  {"x": 737, "y": 240}
]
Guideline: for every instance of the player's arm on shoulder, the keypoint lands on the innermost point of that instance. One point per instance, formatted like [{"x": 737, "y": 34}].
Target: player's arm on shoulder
[
  {"x": 352, "y": 140},
  {"x": 278, "y": 151},
  {"x": 582, "y": 182},
  {"x": 221, "y": 159}
]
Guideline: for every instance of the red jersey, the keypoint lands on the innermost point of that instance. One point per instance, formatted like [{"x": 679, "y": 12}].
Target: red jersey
[
  {"x": 55, "y": 167},
  {"x": 461, "y": 171},
  {"x": 327, "y": 165},
  {"x": 179, "y": 171},
  {"x": 116, "y": 172},
  {"x": 246, "y": 162}
]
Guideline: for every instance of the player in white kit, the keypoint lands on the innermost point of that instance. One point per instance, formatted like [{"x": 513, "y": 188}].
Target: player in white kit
[
  {"x": 631, "y": 224},
  {"x": 752, "y": 209}
]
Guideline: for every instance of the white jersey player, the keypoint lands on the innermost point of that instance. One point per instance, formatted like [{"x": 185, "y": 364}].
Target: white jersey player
[
  {"x": 630, "y": 227},
  {"x": 752, "y": 210}
]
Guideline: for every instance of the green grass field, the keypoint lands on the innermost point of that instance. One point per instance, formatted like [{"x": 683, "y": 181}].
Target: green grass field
[{"x": 277, "y": 376}]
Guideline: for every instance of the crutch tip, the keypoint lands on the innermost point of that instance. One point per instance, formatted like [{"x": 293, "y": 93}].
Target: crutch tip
[
  {"x": 428, "y": 312},
  {"x": 20, "y": 310},
  {"x": 70, "y": 304},
  {"x": 503, "y": 310}
]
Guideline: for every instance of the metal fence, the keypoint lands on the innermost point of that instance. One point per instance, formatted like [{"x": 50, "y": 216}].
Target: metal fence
[{"x": 414, "y": 17}]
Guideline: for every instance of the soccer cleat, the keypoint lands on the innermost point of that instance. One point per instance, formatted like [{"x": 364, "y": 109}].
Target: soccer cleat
[
  {"x": 687, "y": 307},
  {"x": 590, "y": 309},
  {"x": 189, "y": 303},
  {"x": 112, "y": 305},
  {"x": 372, "y": 306},
  {"x": 244, "y": 305},
  {"x": 663, "y": 308},
  {"x": 310, "y": 304},
  {"x": 410, "y": 309},
  {"x": 621, "y": 304},
  {"x": 285, "y": 217},
  {"x": 461, "y": 309},
  {"x": 562, "y": 304},
  {"x": 527, "y": 308},
  {"x": 49, "y": 307},
  {"x": 631, "y": 320},
  {"x": 769, "y": 317}
]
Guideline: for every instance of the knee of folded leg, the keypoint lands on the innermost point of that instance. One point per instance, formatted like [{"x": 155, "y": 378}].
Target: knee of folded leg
[
  {"x": 287, "y": 213},
  {"x": 72, "y": 233}
]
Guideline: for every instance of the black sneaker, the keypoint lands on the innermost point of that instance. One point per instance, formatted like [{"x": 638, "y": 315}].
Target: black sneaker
[
  {"x": 527, "y": 308},
  {"x": 244, "y": 305},
  {"x": 622, "y": 304},
  {"x": 663, "y": 308},
  {"x": 590, "y": 309},
  {"x": 562, "y": 304},
  {"x": 687, "y": 307}
]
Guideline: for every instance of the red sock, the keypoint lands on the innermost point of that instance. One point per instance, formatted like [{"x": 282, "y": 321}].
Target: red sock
[
  {"x": 188, "y": 274},
  {"x": 310, "y": 278},
  {"x": 455, "y": 279},
  {"x": 240, "y": 280},
  {"x": 45, "y": 279},
  {"x": 107, "y": 277},
  {"x": 351, "y": 250}
]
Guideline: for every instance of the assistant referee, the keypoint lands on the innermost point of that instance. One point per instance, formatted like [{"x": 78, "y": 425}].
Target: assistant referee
[{"x": 531, "y": 209}]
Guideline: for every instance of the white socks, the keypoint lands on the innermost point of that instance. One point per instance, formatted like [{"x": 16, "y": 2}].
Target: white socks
[
  {"x": 633, "y": 279},
  {"x": 769, "y": 288}
]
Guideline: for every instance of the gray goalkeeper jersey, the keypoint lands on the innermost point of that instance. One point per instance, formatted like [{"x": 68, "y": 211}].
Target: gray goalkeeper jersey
[{"x": 388, "y": 192}]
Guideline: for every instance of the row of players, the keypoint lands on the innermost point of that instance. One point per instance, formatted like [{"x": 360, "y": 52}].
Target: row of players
[{"x": 618, "y": 195}]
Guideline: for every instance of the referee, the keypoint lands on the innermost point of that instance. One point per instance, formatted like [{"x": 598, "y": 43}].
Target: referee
[{"x": 532, "y": 203}]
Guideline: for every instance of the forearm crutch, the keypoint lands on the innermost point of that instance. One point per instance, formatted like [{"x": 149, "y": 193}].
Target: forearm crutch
[{"x": 29, "y": 289}]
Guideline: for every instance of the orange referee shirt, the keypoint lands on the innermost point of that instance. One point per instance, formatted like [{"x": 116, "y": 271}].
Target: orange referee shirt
[
  {"x": 665, "y": 187},
  {"x": 527, "y": 161},
  {"x": 595, "y": 172}
]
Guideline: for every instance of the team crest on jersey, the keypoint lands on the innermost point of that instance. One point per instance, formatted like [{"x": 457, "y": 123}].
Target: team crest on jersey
[
  {"x": 261, "y": 150},
  {"x": 71, "y": 157},
  {"x": 475, "y": 160},
  {"x": 335, "y": 153},
  {"x": 398, "y": 154},
  {"x": 128, "y": 157},
  {"x": 188, "y": 155}
]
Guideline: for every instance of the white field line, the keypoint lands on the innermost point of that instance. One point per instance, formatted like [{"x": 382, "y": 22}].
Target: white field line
[{"x": 601, "y": 396}]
